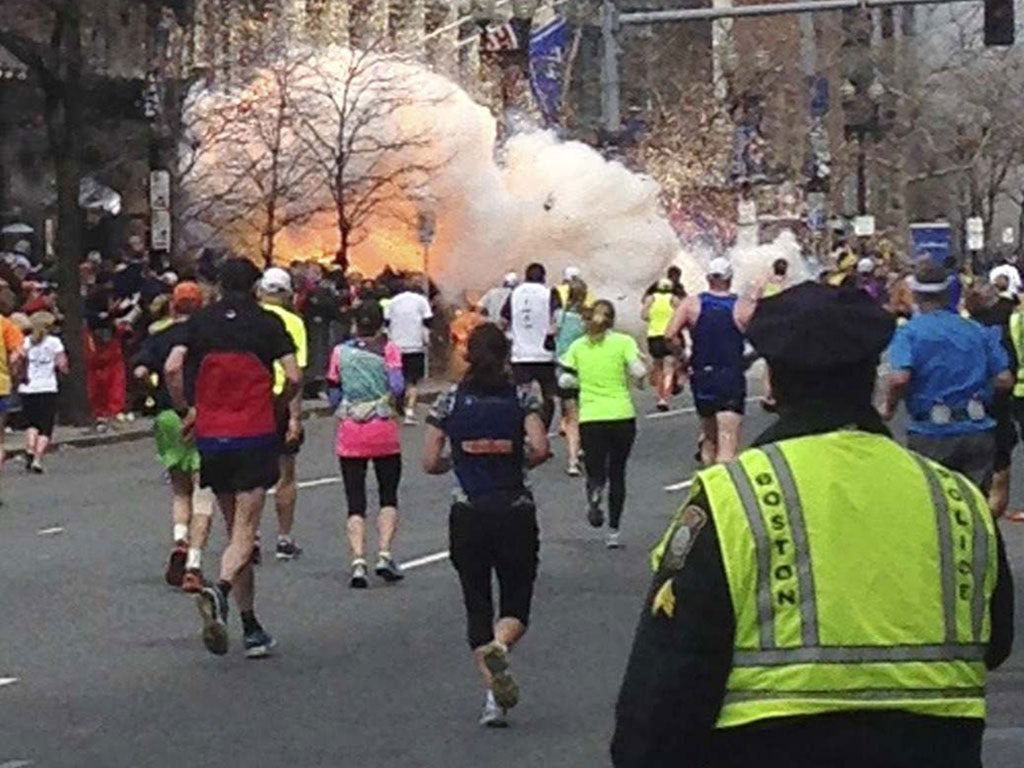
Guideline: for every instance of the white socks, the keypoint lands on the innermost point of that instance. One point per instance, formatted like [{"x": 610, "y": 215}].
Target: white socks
[
  {"x": 194, "y": 559},
  {"x": 180, "y": 532}
]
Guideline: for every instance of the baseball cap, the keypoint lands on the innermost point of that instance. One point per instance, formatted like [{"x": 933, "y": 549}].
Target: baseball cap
[
  {"x": 720, "y": 267},
  {"x": 866, "y": 266},
  {"x": 186, "y": 293},
  {"x": 572, "y": 273},
  {"x": 510, "y": 280},
  {"x": 276, "y": 280}
]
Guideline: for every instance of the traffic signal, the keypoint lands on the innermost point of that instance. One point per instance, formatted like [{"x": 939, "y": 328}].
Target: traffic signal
[{"x": 999, "y": 22}]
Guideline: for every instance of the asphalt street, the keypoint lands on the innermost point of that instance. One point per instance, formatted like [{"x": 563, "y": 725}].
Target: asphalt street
[{"x": 101, "y": 665}]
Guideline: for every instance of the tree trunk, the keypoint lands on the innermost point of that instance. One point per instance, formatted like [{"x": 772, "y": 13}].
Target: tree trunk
[{"x": 64, "y": 126}]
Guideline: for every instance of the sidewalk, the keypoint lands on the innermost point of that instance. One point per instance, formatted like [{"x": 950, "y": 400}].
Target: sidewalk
[{"x": 142, "y": 427}]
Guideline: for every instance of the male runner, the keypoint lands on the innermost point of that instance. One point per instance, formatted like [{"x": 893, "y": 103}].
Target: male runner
[
  {"x": 716, "y": 320},
  {"x": 233, "y": 345},
  {"x": 191, "y": 506},
  {"x": 276, "y": 297}
]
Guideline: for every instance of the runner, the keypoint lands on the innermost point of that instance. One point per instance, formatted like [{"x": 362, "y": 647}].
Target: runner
[
  {"x": 493, "y": 430},
  {"x": 529, "y": 314},
  {"x": 409, "y": 319},
  {"x": 571, "y": 326},
  {"x": 12, "y": 358},
  {"x": 363, "y": 381},
  {"x": 777, "y": 280},
  {"x": 45, "y": 358},
  {"x": 233, "y": 344},
  {"x": 570, "y": 277},
  {"x": 191, "y": 506},
  {"x": 716, "y": 320},
  {"x": 658, "y": 308},
  {"x": 277, "y": 297},
  {"x": 495, "y": 298},
  {"x": 601, "y": 364}
]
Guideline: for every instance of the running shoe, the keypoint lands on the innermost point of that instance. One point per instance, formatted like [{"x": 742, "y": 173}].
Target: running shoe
[
  {"x": 662, "y": 407},
  {"x": 176, "y": 565},
  {"x": 410, "y": 418},
  {"x": 258, "y": 644},
  {"x": 612, "y": 540},
  {"x": 36, "y": 467},
  {"x": 192, "y": 581},
  {"x": 573, "y": 470},
  {"x": 287, "y": 550},
  {"x": 595, "y": 515},
  {"x": 257, "y": 554},
  {"x": 503, "y": 685},
  {"x": 359, "y": 579},
  {"x": 213, "y": 607},
  {"x": 492, "y": 716},
  {"x": 388, "y": 570}
]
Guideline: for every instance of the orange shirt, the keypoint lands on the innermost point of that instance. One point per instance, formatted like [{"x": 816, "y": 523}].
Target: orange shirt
[{"x": 13, "y": 342}]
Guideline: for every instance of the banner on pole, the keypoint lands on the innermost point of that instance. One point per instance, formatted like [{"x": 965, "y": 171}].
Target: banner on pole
[
  {"x": 931, "y": 238},
  {"x": 547, "y": 67}
]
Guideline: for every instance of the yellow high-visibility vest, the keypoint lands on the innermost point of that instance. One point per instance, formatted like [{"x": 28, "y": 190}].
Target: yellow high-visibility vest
[
  {"x": 860, "y": 576},
  {"x": 1017, "y": 339}
]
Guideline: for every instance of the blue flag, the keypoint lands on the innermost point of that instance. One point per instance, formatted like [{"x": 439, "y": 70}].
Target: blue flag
[{"x": 547, "y": 67}]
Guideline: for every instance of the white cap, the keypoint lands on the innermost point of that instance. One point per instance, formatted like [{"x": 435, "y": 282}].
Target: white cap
[
  {"x": 276, "y": 280},
  {"x": 572, "y": 273},
  {"x": 866, "y": 266},
  {"x": 720, "y": 267},
  {"x": 510, "y": 280}
]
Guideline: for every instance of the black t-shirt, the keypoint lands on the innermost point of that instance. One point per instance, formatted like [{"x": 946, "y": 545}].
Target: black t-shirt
[
  {"x": 153, "y": 355},
  {"x": 237, "y": 326}
]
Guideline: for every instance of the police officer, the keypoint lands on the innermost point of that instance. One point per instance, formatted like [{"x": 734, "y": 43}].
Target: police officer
[{"x": 829, "y": 598}]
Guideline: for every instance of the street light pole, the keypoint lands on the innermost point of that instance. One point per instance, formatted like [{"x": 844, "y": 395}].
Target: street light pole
[{"x": 611, "y": 107}]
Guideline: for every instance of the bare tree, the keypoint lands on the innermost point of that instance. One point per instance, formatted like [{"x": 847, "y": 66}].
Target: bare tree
[
  {"x": 248, "y": 170},
  {"x": 373, "y": 153},
  {"x": 48, "y": 40}
]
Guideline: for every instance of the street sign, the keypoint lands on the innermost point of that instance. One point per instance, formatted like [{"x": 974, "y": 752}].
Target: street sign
[
  {"x": 1009, "y": 236},
  {"x": 975, "y": 233},
  {"x": 864, "y": 226},
  {"x": 160, "y": 190},
  {"x": 160, "y": 231},
  {"x": 931, "y": 238}
]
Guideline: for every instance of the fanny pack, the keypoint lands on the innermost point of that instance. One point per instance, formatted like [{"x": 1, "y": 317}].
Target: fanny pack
[{"x": 365, "y": 411}]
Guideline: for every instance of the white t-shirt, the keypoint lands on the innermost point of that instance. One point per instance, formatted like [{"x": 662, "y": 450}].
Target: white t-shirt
[
  {"x": 405, "y": 315},
  {"x": 530, "y": 306},
  {"x": 1011, "y": 273},
  {"x": 42, "y": 365}
]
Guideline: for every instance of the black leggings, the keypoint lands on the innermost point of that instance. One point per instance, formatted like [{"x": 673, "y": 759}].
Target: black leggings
[
  {"x": 544, "y": 375},
  {"x": 606, "y": 448},
  {"x": 499, "y": 535},
  {"x": 389, "y": 473}
]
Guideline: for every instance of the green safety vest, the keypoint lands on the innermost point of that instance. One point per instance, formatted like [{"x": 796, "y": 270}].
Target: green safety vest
[
  {"x": 860, "y": 576},
  {"x": 1017, "y": 339},
  {"x": 660, "y": 315}
]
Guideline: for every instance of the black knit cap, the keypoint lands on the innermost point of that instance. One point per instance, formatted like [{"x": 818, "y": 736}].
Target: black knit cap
[
  {"x": 238, "y": 275},
  {"x": 813, "y": 326}
]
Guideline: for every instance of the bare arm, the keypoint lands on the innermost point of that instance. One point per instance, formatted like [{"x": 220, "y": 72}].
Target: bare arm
[
  {"x": 434, "y": 460},
  {"x": 292, "y": 384},
  {"x": 62, "y": 363},
  {"x": 896, "y": 388},
  {"x": 538, "y": 449},
  {"x": 1004, "y": 381},
  {"x": 680, "y": 320},
  {"x": 645, "y": 312},
  {"x": 744, "y": 312},
  {"x": 174, "y": 375}
]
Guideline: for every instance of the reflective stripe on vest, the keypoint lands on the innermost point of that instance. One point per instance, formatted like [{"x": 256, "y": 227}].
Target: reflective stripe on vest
[
  {"x": 851, "y": 594},
  {"x": 1017, "y": 339}
]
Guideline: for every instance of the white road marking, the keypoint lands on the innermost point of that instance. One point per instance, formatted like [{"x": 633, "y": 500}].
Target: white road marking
[
  {"x": 312, "y": 483},
  {"x": 49, "y": 532},
  {"x": 678, "y": 486},
  {"x": 16, "y": 764},
  {"x": 419, "y": 562},
  {"x": 685, "y": 411},
  {"x": 7, "y": 681}
]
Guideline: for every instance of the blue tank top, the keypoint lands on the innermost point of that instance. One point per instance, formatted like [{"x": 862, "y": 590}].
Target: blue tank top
[
  {"x": 488, "y": 442},
  {"x": 717, "y": 342}
]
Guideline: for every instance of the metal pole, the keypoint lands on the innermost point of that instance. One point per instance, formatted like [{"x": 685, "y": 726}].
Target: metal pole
[
  {"x": 775, "y": 9},
  {"x": 611, "y": 108},
  {"x": 862, "y": 176}
]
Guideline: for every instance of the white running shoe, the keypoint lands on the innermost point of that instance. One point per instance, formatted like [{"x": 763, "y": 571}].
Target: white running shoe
[
  {"x": 612, "y": 540},
  {"x": 492, "y": 716},
  {"x": 503, "y": 685},
  {"x": 410, "y": 418}
]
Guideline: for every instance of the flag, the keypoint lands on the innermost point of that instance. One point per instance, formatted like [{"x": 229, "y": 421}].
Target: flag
[{"x": 547, "y": 67}]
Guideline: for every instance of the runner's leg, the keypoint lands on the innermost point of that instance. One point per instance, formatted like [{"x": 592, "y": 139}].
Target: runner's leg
[
  {"x": 622, "y": 436},
  {"x": 728, "y": 425},
  {"x": 353, "y": 474},
  {"x": 286, "y": 497},
  {"x": 388, "y": 470},
  {"x": 708, "y": 440}
]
